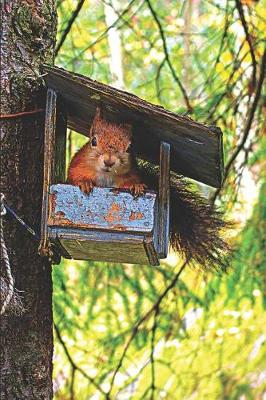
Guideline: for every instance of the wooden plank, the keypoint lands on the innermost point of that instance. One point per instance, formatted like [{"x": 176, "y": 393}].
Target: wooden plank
[
  {"x": 102, "y": 246},
  {"x": 104, "y": 208},
  {"x": 164, "y": 200},
  {"x": 149, "y": 245},
  {"x": 49, "y": 153},
  {"x": 196, "y": 149},
  {"x": 60, "y": 143}
]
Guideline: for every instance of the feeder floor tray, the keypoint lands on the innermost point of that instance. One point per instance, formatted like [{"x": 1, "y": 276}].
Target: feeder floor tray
[{"x": 106, "y": 225}]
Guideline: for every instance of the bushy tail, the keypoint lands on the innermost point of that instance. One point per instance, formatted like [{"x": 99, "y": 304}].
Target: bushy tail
[{"x": 195, "y": 226}]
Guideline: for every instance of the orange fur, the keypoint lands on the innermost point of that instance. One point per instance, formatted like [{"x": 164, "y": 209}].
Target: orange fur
[{"x": 108, "y": 163}]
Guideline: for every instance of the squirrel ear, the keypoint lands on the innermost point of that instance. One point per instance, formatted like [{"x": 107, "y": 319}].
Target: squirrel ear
[
  {"x": 96, "y": 119},
  {"x": 98, "y": 113},
  {"x": 128, "y": 129}
]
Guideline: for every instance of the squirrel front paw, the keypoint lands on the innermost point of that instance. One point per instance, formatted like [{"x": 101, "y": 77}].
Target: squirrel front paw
[
  {"x": 136, "y": 189},
  {"x": 86, "y": 186}
]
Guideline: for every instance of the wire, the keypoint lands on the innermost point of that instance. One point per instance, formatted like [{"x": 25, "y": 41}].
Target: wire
[
  {"x": 23, "y": 223},
  {"x": 22, "y": 114}
]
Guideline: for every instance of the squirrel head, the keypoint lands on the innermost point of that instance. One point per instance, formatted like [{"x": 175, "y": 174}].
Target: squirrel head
[{"x": 110, "y": 145}]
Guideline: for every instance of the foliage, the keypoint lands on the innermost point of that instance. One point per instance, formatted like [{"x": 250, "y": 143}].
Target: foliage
[{"x": 117, "y": 336}]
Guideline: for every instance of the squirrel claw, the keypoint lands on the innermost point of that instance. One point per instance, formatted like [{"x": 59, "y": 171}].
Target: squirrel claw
[
  {"x": 86, "y": 186},
  {"x": 135, "y": 189},
  {"x": 138, "y": 189}
]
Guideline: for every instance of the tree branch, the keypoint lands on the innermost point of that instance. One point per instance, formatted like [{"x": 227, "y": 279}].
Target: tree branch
[
  {"x": 72, "y": 392},
  {"x": 248, "y": 38},
  {"x": 153, "y": 386},
  {"x": 145, "y": 317},
  {"x": 74, "y": 366},
  {"x": 211, "y": 75},
  {"x": 157, "y": 79},
  {"x": 248, "y": 124},
  {"x": 69, "y": 25},
  {"x": 103, "y": 35},
  {"x": 167, "y": 57}
]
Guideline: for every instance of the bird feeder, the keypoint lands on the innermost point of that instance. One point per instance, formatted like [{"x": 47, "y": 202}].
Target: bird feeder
[{"x": 111, "y": 224}]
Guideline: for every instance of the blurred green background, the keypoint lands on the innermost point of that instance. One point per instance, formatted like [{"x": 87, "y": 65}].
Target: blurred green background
[{"x": 206, "y": 338}]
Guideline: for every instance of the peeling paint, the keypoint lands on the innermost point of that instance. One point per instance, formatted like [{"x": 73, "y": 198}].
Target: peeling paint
[
  {"x": 135, "y": 215},
  {"x": 102, "y": 209},
  {"x": 60, "y": 214},
  {"x": 114, "y": 215}
]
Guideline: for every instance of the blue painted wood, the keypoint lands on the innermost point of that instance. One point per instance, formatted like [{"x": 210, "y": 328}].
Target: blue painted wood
[{"x": 103, "y": 209}]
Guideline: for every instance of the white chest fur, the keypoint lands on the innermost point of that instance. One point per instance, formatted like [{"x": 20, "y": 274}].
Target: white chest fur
[{"x": 105, "y": 180}]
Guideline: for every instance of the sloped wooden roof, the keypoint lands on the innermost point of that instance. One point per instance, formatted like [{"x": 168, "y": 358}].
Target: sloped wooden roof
[{"x": 196, "y": 149}]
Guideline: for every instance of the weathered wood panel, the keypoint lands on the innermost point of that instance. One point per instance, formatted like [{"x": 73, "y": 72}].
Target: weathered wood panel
[
  {"x": 49, "y": 164},
  {"x": 196, "y": 149},
  {"x": 54, "y": 159},
  {"x": 60, "y": 143},
  {"x": 105, "y": 246},
  {"x": 164, "y": 200},
  {"x": 104, "y": 208}
]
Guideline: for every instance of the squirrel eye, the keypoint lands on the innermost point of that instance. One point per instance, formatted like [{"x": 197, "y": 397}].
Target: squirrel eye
[
  {"x": 129, "y": 148},
  {"x": 94, "y": 141}
]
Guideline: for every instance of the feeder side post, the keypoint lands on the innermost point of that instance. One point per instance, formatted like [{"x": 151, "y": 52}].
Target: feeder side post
[
  {"x": 164, "y": 200},
  {"x": 60, "y": 143},
  {"x": 49, "y": 161}
]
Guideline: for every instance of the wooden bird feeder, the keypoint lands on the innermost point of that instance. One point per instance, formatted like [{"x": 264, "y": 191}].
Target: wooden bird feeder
[{"x": 110, "y": 224}]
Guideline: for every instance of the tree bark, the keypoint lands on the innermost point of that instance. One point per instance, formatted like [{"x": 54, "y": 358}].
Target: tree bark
[{"x": 28, "y": 40}]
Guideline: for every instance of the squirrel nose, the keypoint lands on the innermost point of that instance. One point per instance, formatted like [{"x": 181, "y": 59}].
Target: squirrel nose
[{"x": 109, "y": 163}]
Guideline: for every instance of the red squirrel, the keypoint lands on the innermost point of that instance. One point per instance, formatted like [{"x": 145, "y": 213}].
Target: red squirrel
[{"x": 107, "y": 161}]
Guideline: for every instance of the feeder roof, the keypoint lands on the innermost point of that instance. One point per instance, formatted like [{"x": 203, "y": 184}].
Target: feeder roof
[{"x": 196, "y": 149}]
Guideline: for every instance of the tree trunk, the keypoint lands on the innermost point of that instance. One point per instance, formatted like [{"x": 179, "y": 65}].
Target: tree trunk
[
  {"x": 111, "y": 12},
  {"x": 28, "y": 39}
]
